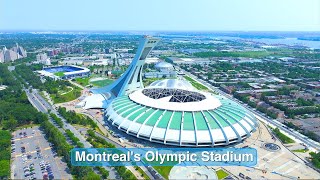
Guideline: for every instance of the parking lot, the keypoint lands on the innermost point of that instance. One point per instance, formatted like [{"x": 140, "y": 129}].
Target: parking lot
[{"x": 33, "y": 157}]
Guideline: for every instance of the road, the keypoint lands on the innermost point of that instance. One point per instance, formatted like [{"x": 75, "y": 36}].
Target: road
[
  {"x": 35, "y": 102},
  {"x": 307, "y": 141},
  {"x": 43, "y": 106}
]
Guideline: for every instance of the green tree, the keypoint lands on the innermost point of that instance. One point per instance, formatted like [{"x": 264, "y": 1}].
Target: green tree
[
  {"x": 210, "y": 75},
  {"x": 315, "y": 159},
  {"x": 10, "y": 124},
  {"x": 5, "y": 154},
  {"x": 92, "y": 176},
  {"x": 4, "y": 170}
]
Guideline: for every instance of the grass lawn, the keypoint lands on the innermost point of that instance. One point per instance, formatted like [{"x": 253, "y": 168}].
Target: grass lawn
[
  {"x": 83, "y": 81},
  {"x": 101, "y": 83},
  {"x": 163, "y": 170},
  {"x": 301, "y": 150},
  {"x": 195, "y": 83},
  {"x": 59, "y": 74},
  {"x": 65, "y": 90},
  {"x": 60, "y": 97},
  {"x": 285, "y": 139},
  {"x": 221, "y": 174},
  {"x": 148, "y": 81}
]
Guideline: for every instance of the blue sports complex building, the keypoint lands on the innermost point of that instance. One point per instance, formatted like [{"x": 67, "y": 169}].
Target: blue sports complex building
[{"x": 65, "y": 72}]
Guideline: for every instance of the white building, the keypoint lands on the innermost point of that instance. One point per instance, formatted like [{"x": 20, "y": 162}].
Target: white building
[
  {"x": 104, "y": 56},
  {"x": 41, "y": 56},
  {"x": 152, "y": 60},
  {"x": 164, "y": 66},
  {"x": 1, "y": 56},
  {"x": 43, "y": 59}
]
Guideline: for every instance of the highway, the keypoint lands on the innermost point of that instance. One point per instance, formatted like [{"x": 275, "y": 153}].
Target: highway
[
  {"x": 307, "y": 141},
  {"x": 35, "y": 102},
  {"x": 44, "y": 106}
]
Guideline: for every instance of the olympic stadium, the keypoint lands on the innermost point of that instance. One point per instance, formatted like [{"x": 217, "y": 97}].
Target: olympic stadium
[{"x": 170, "y": 111}]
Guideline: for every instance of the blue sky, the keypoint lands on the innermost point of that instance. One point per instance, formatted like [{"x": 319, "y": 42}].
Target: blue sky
[{"x": 168, "y": 15}]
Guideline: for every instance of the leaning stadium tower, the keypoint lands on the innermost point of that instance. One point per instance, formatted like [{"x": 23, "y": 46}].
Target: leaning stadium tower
[{"x": 131, "y": 80}]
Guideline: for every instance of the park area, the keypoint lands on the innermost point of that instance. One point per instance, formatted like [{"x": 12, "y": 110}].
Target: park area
[
  {"x": 66, "y": 94},
  {"x": 96, "y": 81}
]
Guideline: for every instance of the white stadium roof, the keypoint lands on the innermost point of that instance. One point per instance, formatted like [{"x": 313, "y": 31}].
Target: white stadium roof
[
  {"x": 172, "y": 84},
  {"x": 163, "y": 64}
]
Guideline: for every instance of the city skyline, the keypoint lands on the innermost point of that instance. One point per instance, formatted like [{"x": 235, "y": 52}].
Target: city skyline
[
  {"x": 140, "y": 15},
  {"x": 191, "y": 90},
  {"x": 162, "y": 89}
]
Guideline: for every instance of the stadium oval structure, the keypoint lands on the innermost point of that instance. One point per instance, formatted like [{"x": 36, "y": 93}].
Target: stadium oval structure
[
  {"x": 164, "y": 66},
  {"x": 173, "y": 112}
]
